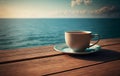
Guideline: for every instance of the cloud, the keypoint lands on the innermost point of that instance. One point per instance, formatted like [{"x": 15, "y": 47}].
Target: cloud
[
  {"x": 102, "y": 12},
  {"x": 79, "y": 2},
  {"x": 75, "y": 12},
  {"x": 73, "y": 3},
  {"x": 87, "y": 2},
  {"x": 108, "y": 11},
  {"x": 105, "y": 9}
]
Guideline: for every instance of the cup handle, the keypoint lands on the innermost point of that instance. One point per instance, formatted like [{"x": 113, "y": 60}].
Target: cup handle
[{"x": 95, "y": 35}]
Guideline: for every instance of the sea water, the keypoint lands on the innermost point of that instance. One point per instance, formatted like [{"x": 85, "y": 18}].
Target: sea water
[{"x": 23, "y": 33}]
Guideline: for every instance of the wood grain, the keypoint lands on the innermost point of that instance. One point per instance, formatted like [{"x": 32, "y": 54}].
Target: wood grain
[
  {"x": 107, "y": 42},
  {"x": 40, "y": 52},
  {"x": 46, "y": 61},
  {"x": 105, "y": 69},
  {"x": 59, "y": 63}
]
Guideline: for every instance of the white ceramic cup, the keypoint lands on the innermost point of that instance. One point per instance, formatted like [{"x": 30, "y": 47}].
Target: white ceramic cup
[{"x": 80, "y": 40}]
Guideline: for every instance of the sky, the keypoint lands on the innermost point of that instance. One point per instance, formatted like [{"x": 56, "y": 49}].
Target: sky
[{"x": 59, "y": 8}]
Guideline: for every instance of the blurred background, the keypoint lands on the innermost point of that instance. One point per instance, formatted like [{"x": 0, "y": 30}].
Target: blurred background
[{"x": 31, "y": 23}]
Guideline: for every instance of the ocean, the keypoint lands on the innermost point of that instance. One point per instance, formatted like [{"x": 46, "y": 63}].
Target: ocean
[{"x": 24, "y": 33}]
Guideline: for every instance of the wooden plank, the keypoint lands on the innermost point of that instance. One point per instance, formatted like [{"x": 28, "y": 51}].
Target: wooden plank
[
  {"x": 107, "y": 42},
  {"x": 42, "y": 66},
  {"x": 38, "y": 52},
  {"x": 105, "y": 69},
  {"x": 25, "y": 57},
  {"x": 4, "y": 53},
  {"x": 59, "y": 63}
]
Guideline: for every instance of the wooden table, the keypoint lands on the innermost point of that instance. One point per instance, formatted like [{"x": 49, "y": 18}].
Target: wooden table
[{"x": 44, "y": 61}]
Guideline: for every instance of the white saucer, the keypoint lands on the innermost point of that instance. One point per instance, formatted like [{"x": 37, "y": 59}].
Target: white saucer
[{"x": 65, "y": 49}]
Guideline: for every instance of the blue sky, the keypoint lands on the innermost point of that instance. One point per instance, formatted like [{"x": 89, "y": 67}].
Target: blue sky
[{"x": 59, "y": 8}]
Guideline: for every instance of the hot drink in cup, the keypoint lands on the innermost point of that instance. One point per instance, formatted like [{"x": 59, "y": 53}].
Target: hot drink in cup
[{"x": 79, "y": 40}]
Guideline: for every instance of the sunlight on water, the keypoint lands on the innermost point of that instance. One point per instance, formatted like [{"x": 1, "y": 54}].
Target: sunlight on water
[{"x": 19, "y": 33}]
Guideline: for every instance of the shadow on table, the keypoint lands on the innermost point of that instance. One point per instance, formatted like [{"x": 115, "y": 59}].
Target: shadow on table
[{"x": 102, "y": 55}]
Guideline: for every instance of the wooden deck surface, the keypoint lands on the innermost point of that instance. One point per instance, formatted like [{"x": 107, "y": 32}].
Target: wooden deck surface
[{"x": 39, "y": 61}]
